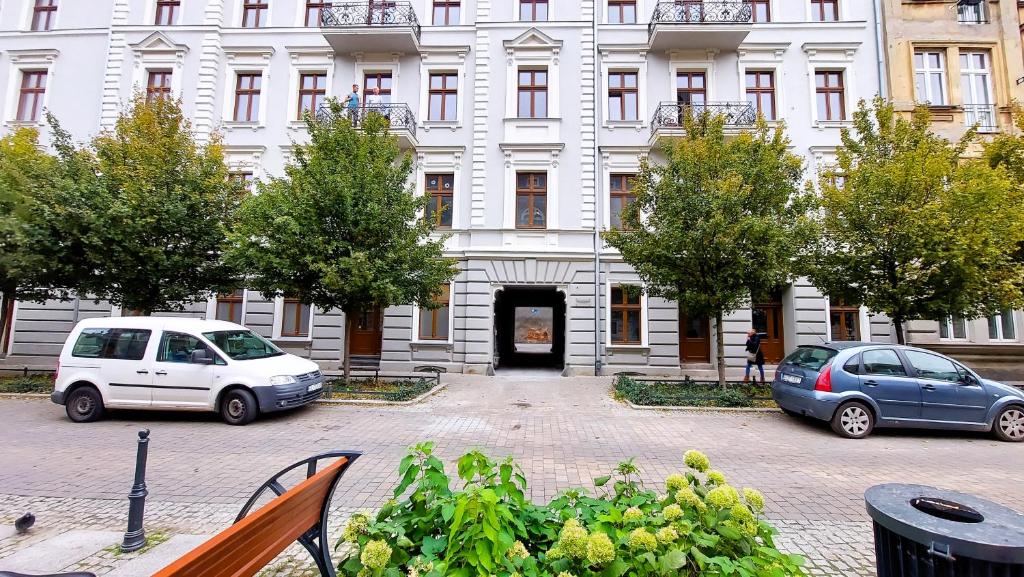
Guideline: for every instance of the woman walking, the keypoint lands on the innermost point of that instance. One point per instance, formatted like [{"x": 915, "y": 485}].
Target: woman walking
[{"x": 754, "y": 356}]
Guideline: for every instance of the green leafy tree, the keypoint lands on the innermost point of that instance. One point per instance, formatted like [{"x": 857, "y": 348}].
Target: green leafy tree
[
  {"x": 722, "y": 217},
  {"x": 1006, "y": 150},
  {"x": 912, "y": 229},
  {"x": 342, "y": 229}
]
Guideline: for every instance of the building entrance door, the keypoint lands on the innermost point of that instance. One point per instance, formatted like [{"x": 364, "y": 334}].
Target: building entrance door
[
  {"x": 694, "y": 339},
  {"x": 767, "y": 320},
  {"x": 368, "y": 333}
]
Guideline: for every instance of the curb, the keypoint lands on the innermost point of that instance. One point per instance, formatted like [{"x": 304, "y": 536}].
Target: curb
[
  {"x": 24, "y": 396},
  {"x": 703, "y": 409},
  {"x": 380, "y": 403}
]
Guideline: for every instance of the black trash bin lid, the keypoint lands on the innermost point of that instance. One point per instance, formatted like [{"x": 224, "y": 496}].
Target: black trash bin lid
[{"x": 969, "y": 526}]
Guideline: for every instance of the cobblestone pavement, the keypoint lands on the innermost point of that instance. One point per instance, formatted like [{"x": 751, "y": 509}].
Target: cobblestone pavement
[{"x": 563, "y": 431}]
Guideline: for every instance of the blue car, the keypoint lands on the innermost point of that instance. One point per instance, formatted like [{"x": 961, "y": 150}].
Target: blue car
[{"x": 859, "y": 386}]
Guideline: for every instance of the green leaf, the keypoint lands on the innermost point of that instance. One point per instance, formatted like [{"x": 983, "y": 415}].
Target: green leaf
[
  {"x": 616, "y": 568},
  {"x": 674, "y": 559},
  {"x": 601, "y": 481}
]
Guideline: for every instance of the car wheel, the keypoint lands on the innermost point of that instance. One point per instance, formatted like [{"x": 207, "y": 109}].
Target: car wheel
[
  {"x": 84, "y": 405},
  {"x": 853, "y": 421},
  {"x": 238, "y": 407},
  {"x": 1009, "y": 424}
]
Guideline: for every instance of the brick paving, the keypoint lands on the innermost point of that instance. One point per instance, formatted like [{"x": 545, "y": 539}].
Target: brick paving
[{"x": 562, "y": 431}]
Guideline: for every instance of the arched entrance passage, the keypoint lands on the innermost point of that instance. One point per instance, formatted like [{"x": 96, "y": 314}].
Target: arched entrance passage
[{"x": 529, "y": 327}]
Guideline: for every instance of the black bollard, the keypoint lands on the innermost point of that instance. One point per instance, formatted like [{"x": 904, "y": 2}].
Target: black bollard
[{"x": 135, "y": 536}]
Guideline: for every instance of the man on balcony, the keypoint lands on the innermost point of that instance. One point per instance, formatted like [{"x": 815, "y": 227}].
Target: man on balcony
[{"x": 352, "y": 103}]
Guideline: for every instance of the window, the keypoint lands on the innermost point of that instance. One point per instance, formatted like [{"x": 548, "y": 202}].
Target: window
[
  {"x": 434, "y": 322},
  {"x": 375, "y": 80},
  {"x": 622, "y": 11},
  {"x": 30, "y": 98},
  {"x": 626, "y": 312},
  {"x": 621, "y": 190},
  {"x": 761, "y": 10},
  {"x": 247, "y": 97},
  {"x": 852, "y": 366},
  {"x": 968, "y": 13},
  {"x": 158, "y": 85},
  {"x": 178, "y": 347},
  {"x": 930, "y": 76},
  {"x": 533, "y": 10},
  {"x": 812, "y": 358},
  {"x": 122, "y": 344},
  {"x": 44, "y": 13},
  {"x": 623, "y": 96},
  {"x": 883, "y": 362},
  {"x": 439, "y": 188},
  {"x": 242, "y": 178},
  {"x": 314, "y": 8},
  {"x": 691, "y": 88},
  {"x": 229, "y": 306},
  {"x": 761, "y": 92},
  {"x": 533, "y": 93},
  {"x": 254, "y": 13},
  {"x": 444, "y": 89},
  {"x": 446, "y": 12},
  {"x": 932, "y": 367},
  {"x": 312, "y": 92},
  {"x": 531, "y": 199},
  {"x": 166, "y": 10},
  {"x": 953, "y": 328},
  {"x": 976, "y": 87},
  {"x": 295, "y": 318},
  {"x": 824, "y": 10},
  {"x": 1001, "y": 326},
  {"x": 830, "y": 94},
  {"x": 845, "y": 321}
]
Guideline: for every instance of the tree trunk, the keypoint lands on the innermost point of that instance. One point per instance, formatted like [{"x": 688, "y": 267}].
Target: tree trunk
[
  {"x": 5, "y": 320},
  {"x": 897, "y": 322},
  {"x": 347, "y": 345},
  {"x": 720, "y": 353}
]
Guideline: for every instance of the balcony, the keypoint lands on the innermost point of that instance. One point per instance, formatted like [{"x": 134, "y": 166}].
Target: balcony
[
  {"x": 371, "y": 26},
  {"x": 693, "y": 24},
  {"x": 668, "y": 117},
  {"x": 403, "y": 122},
  {"x": 983, "y": 115}
]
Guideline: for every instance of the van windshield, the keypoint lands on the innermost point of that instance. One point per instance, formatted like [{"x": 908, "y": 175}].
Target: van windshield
[{"x": 243, "y": 345}]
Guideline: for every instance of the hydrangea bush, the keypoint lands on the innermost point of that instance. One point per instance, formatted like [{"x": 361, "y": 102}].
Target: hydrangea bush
[{"x": 700, "y": 526}]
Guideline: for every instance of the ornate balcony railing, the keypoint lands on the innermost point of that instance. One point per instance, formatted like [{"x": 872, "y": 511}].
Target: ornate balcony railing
[
  {"x": 706, "y": 12},
  {"x": 984, "y": 115},
  {"x": 399, "y": 115},
  {"x": 373, "y": 13},
  {"x": 671, "y": 114}
]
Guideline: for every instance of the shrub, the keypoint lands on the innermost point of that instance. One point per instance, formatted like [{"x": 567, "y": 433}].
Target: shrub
[
  {"x": 29, "y": 384},
  {"x": 488, "y": 527},
  {"x": 691, "y": 393}
]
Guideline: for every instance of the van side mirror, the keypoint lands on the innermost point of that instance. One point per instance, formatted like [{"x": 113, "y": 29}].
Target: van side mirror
[{"x": 202, "y": 357}]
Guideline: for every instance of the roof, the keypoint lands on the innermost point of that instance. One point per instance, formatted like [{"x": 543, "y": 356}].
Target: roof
[{"x": 174, "y": 323}]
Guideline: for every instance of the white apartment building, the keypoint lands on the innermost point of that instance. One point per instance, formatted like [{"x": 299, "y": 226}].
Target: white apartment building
[{"x": 525, "y": 119}]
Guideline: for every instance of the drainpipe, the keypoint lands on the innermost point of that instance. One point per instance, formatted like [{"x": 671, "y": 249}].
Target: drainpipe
[
  {"x": 883, "y": 83},
  {"x": 598, "y": 199}
]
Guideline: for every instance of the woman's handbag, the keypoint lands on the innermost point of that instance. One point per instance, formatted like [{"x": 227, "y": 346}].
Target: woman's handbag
[{"x": 751, "y": 357}]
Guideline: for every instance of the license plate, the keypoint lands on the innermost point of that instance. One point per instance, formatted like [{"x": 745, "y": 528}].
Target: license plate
[
  {"x": 792, "y": 379},
  {"x": 314, "y": 387}
]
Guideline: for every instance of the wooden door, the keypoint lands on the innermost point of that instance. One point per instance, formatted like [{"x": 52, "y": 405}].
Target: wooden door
[
  {"x": 767, "y": 320},
  {"x": 368, "y": 333},
  {"x": 694, "y": 339}
]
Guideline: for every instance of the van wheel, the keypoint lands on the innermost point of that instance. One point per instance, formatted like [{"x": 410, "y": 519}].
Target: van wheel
[
  {"x": 238, "y": 407},
  {"x": 84, "y": 405},
  {"x": 853, "y": 421},
  {"x": 1009, "y": 424}
]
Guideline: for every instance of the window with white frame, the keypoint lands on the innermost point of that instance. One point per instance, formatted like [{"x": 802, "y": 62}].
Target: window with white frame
[
  {"x": 626, "y": 315},
  {"x": 976, "y": 88},
  {"x": 295, "y": 318},
  {"x": 255, "y": 13},
  {"x": 228, "y": 307},
  {"x": 435, "y": 323},
  {"x": 1001, "y": 326},
  {"x": 930, "y": 76},
  {"x": 953, "y": 328},
  {"x": 30, "y": 95},
  {"x": 622, "y": 11},
  {"x": 44, "y": 15}
]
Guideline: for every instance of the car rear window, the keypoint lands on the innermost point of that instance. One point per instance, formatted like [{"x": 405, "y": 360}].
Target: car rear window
[
  {"x": 812, "y": 358},
  {"x": 124, "y": 344}
]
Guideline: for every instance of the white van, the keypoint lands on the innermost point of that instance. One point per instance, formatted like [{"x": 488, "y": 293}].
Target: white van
[{"x": 179, "y": 363}]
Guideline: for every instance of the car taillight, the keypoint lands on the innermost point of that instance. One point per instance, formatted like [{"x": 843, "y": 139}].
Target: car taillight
[{"x": 824, "y": 382}]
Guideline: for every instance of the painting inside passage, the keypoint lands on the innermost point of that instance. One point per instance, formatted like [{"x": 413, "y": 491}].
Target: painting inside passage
[{"x": 534, "y": 327}]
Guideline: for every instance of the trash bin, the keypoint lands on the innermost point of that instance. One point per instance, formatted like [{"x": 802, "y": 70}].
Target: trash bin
[{"x": 922, "y": 531}]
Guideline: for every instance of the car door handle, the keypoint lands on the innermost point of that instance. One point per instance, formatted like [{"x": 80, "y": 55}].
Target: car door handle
[
  {"x": 143, "y": 372},
  {"x": 871, "y": 383},
  {"x": 928, "y": 387},
  {"x": 160, "y": 373}
]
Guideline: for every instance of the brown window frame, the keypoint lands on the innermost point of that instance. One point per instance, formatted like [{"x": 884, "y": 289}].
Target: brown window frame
[
  {"x": 767, "y": 4},
  {"x": 234, "y": 299},
  {"x": 447, "y": 6},
  {"x": 621, "y": 186},
  {"x": 260, "y": 9},
  {"x": 703, "y": 90},
  {"x": 34, "y": 90},
  {"x": 319, "y": 6},
  {"x": 444, "y": 300},
  {"x": 841, "y": 308},
  {"x": 623, "y": 309},
  {"x": 758, "y": 90},
  {"x": 160, "y": 89},
  {"x": 317, "y": 90},
  {"x": 166, "y": 10},
  {"x": 533, "y": 10},
  {"x": 295, "y": 331},
  {"x": 445, "y": 92},
  {"x": 819, "y": 7},
  {"x": 620, "y": 90},
  {"x": 44, "y": 13},
  {"x": 827, "y": 90},
  {"x": 378, "y": 76},
  {"x": 621, "y": 6},
  {"x": 251, "y": 94},
  {"x": 437, "y": 195},
  {"x": 243, "y": 177},
  {"x": 533, "y": 89},
  {"x": 532, "y": 192}
]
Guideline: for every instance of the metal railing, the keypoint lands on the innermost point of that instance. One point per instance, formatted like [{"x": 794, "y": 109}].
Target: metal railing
[
  {"x": 370, "y": 13},
  {"x": 671, "y": 114},
  {"x": 984, "y": 115},
  {"x": 706, "y": 12},
  {"x": 399, "y": 115},
  {"x": 971, "y": 14}
]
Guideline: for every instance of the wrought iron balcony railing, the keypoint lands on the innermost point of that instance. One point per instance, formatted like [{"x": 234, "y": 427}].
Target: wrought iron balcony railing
[
  {"x": 698, "y": 12},
  {"x": 671, "y": 114},
  {"x": 373, "y": 13},
  {"x": 399, "y": 115}
]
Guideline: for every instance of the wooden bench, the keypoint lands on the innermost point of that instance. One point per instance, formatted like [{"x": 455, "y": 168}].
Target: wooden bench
[{"x": 296, "y": 514}]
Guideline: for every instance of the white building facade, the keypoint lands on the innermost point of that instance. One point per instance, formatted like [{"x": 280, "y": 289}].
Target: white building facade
[{"x": 525, "y": 119}]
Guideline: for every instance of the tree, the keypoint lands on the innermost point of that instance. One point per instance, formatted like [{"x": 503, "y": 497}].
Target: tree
[
  {"x": 912, "y": 229},
  {"x": 722, "y": 217},
  {"x": 1006, "y": 150},
  {"x": 145, "y": 210},
  {"x": 342, "y": 229}
]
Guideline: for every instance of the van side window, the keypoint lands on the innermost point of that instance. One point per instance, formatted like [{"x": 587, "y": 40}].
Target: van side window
[
  {"x": 178, "y": 347},
  {"x": 123, "y": 344},
  {"x": 90, "y": 343}
]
